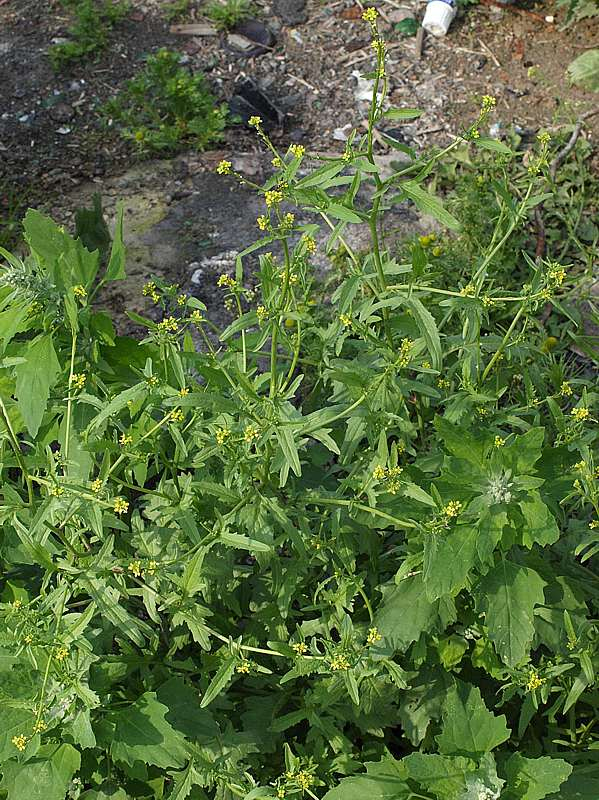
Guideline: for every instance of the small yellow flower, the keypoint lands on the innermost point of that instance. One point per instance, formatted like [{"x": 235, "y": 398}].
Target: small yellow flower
[
  {"x": 17, "y": 603},
  {"x": 373, "y": 636},
  {"x": 254, "y": 121},
  {"x": 196, "y": 317},
  {"x": 152, "y": 566},
  {"x": 224, "y": 167},
  {"x": 135, "y": 568},
  {"x": 20, "y": 742},
  {"x": 120, "y": 506},
  {"x": 309, "y": 244},
  {"x": 565, "y": 389},
  {"x": 80, "y": 292},
  {"x": 182, "y": 300},
  {"x": 556, "y": 275},
  {"x": 226, "y": 280},
  {"x": 468, "y": 291},
  {"x": 499, "y": 442},
  {"x": 443, "y": 383},
  {"x": 183, "y": 392},
  {"x": 474, "y": 133},
  {"x": 452, "y": 509},
  {"x": 79, "y": 379},
  {"x": 244, "y": 667},
  {"x": 272, "y": 197},
  {"x": 426, "y": 365},
  {"x": 57, "y": 491},
  {"x": 345, "y": 320},
  {"x": 61, "y": 654},
  {"x": 288, "y": 220},
  {"x": 28, "y": 639},
  {"x": 262, "y": 222},
  {"x": 594, "y": 524},
  {"x": 125, "y": 439},
  {"x": 580, "y": 414},
  {"x": 339, "y": 663},
  {"x": 405, "y": 352},
  {"x": 221, "y": 435},
  {"x": 177, "y": 415},
  {"x": 580, "y": 465},
  {"x": 297, "y": 150},
  {"x": 40, "y": 726},
  {"x": 370, "y": 15},
  {"x": 488, "y": 102},
  {"x": 544, "y": 138},
  {"x": 379, "y": 473},
  {"x": 304, "y": 780},
  {"x": 250, "y": 433},
  {"x": 437, "y": 251},
  {"x": 168, "y": 325},
  {"x": 300, "y": 648},
  {"x": 149, "y": 288},
  {"x": 534, "y": 681},
  {"x": 262, "y": 314}
]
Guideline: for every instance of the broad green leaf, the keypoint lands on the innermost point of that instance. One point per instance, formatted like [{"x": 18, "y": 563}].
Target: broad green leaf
[
  {"x": 115, "y": 271},
  {"x": 508, "y": 595},
  {"x": 460, "y": 443},
  {"x": 584, "y": 70},
  {"x": 534, "y": 778},
  {"x": 13, "y": 722},
  {"x": 486, "y": 143},
  {"x": 448, "y": 559},
  {"x": 469, "y": 728},
  {"x": 184, "y": 712},
  {"x": 445, "y": 776},
  {"x": 429, "y": 204},
  {"x": 490, "y": 530},
  {"x": 403, "y": 113},
  {"x": 35, "y": 379},
  {"x": 581, "y": 785},
  {"x": 289, "y": 448},
  {"x": 143, "y": 734},
  {"x": 384, "y": 780},
  {"x": 343, "y": 213},
  {"x": 44, "y": 777},
  {"x": 405, "y": 613},
  {"x": 540, "y": 526}
]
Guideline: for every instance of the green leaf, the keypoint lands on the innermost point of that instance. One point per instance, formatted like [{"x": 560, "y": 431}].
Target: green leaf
[
  {"x": 289, "y": 448},
  {"x": 429, "y": 204},
  {"x": 540, "y": 525},
  {"x": 45, "y": 777},
  {"x": 428, "y": 328},
  {"x": 343, "y": 213},
  {"x": 384, "y": 780},
  {"x": 508, "y": 595},
  {"x": 142, "y": 734},
  {"x": 534, "y": 778},
  {"x": 244, "y": 542},
  {"x": 469, "y": 728},
  {"x": 403, "y": 113},
  {"x": 448, "y": 558},
  {"x": 35, "y": 378},
  {"x": 405, "y": 613},
  {"x": 492, "y": 144},
  {"x": 13, "y": 722},
  {"x": 219, "y": 681},
  {"x": 115, "y": 271},
  {"x": 443, "y": 775},
  {"x": 584, "y": 70}
]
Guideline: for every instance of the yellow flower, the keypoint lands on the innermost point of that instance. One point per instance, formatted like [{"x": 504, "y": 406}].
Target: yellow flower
[
  {"x": 149, "y": 288},
  {"x": 250, "y": 433},
  {"x": 79, "y": 379},
  {"x": 168, "y": 325},
  {"x": 443, "y": 383},
  {"x": 304, "y": 780},
  {"x": 565, "y": 389},
  {"x": 224, "y": 167},
  {"x": 379, "y": 473},
  {"x": 226, "y": 280},
  {"x": 183, "y": 392},
  {"x": 544, "y": 138},
  {"x": 288, "y": 220},
  {"x": 262, "y": 314},
  {"x": 262, "y": 222},
  {"x": 339, "y": 663},
  {"x": 40, "y": 726},
  {"x": 405, "y": 352},
  {"x": 468, "y": 291},
  {"x": 580, "y": 414},
  {"x": 135, "y": 568},
  {"x": 436, "y": 251},
  {"x": 488, "y": 301},
  {"x": 580, "y": 465},
  {"x": 61, "y": 654},
  {"x": 373, "y": 636},
  {"x": 370, "y": 15},
  {"x": 221, "y": 435},
  {"x": 593, "y": 525},
  {"x": 244, "y": 667},
  {"x": 297, "y": 150},
  {"x": 488, "y": 102},
  {"x": 196, "y": 317},
  {"x": 254, "y": 121},
  {"x": 177, "y": 415},
  {"x": 20, "y": 742},
  {"x": 345, "y": 320},
  {"x": 300, "y": 648},
  {"x": 120, "y": 506},
  {"x": 499, "y": 442},
  {"x": 17, "y": 603},
  {"x": 556, "y": 275},
  {"x": 57, "y": 491},
  {"x": 126, "y": 439},
  {"x": 309, "y": 244},
  {"x": 182, "y": 300},
  {"x": 152, "y": 566},
  {"x": 534, "y": 681},
  {"x": 452, "y": 509},
  {"x": 28, "y": 639},
  {"x": 426, "y": 365},
  {"x": 80, "y": 291},
  {"x": 272, "y": 197}
]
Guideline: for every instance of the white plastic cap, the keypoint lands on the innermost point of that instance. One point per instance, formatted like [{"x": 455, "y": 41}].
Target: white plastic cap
[{"x": 438, "y": 17}]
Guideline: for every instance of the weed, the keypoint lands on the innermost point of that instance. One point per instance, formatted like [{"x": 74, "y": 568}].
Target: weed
[
  {"x": 93, "y": 20},
  {"x": 166, "y": 106},
  {"x": 228, "y": 13},
  {"x": 177, "y": 10}
]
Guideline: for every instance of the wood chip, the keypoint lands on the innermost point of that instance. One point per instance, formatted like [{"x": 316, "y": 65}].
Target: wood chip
[{"x": 195, "y": 29}]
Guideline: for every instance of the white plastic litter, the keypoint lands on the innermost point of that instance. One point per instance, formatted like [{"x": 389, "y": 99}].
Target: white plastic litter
[{"x": 438, "y": 16}]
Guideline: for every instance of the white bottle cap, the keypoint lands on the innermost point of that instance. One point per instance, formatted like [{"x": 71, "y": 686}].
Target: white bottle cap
[{"x": 438, "y": 17}]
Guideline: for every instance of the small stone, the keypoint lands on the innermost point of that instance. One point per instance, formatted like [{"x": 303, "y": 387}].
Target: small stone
[
  {"x": 292, "y": 12},
  {"x": 62, "y": 112},
  {"x": 63, "y": 130}
]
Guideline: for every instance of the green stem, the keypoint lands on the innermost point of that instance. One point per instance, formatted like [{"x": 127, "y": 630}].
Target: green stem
[
  {"x": 14, "y": 443},
  {"x": 501, "y": 347},
  {"x": 70, "y": 398},
  {"x": 331, "y": 501}
]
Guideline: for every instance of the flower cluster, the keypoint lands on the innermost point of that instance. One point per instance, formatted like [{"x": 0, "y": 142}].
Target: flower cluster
[{"x": 391, "y": 477}]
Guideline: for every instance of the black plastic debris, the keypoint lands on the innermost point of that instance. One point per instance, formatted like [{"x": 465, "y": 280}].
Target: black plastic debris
[
  {"x": 250, "y": 101},
  {"x": 249, "y": 39}
]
